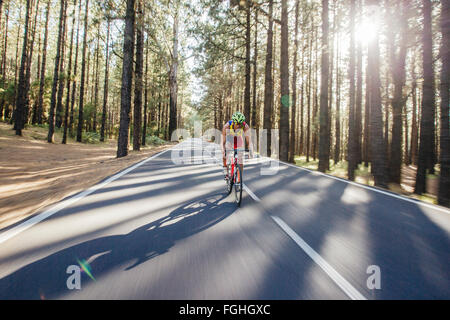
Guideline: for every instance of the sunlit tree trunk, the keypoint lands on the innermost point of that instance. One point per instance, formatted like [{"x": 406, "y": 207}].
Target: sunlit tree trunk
[
  {"x": 377, "y": 142},
  {"x": 426, "y": 143}
]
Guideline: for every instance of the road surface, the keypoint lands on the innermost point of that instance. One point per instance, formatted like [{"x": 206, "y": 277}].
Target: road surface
[{"x": 165, "y": 230}]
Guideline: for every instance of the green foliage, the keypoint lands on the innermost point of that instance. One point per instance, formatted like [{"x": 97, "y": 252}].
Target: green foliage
[
  {"x": 154, "y": 140},
  {"x": 91, "y": 137}
]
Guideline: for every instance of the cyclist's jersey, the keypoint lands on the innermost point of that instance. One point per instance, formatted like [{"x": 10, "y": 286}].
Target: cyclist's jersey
[
  {"x": 235, "y": 136},
  {"x": 239, "y": 132}
]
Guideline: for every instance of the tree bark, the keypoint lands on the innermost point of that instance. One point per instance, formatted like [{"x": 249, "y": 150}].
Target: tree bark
[
  {"x": 426, "y": 144},
  {"x": 399, "y": 101},
  {"x": 137, "y": 116},
  {"x": 284, "y": 84},
  {"x": 444, "y": 180},
  {"x": 69, "y": 74},
  {"x": 127, "y": 80},
  {"x": 324, "y": 142},
  {"x": 83, "y": 75},
  {"x": 21, "y": 92},
  {"x": 106, "y": 84},
  {"x": 173, "y": 81},
  {"x": 294, "y": 86},
  {"x": 351, "y": 150},
  {"x": 378, "y": 145},
  {"x": 268, "y": 81}
]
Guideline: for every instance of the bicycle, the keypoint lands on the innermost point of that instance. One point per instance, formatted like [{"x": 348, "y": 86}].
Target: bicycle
[{"x": 235, "y": 178}]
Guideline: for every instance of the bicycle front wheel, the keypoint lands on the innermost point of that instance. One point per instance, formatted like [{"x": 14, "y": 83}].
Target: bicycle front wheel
[{"x": 238, "y": 185}]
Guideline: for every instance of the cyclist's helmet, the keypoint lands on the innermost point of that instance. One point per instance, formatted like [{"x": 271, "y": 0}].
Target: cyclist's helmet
[{"x": 238, "y": 117}]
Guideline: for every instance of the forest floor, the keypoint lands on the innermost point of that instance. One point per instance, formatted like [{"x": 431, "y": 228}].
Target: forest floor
[
  {"x": 363, "y": 176},
  {"x": 35, "y": 174}
]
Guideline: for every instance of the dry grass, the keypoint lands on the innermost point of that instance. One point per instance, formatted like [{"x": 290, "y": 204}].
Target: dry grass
[{"x": 35, "y": 174}]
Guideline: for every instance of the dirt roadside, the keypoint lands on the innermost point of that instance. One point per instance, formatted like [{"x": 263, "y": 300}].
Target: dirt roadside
[{"x": 35, "y": 174}]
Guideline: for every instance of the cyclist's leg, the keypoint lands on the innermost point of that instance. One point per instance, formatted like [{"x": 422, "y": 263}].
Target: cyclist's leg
[{"x": 240, "y": 144}]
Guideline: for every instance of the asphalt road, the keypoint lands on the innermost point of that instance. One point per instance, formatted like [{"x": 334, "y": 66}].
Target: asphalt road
[{"x": 165, "y": 230}]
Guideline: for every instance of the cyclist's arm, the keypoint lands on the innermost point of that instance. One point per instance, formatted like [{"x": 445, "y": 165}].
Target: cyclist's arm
[
  {"x": 247, "y": 139},
  {"x": 224, "y": 137}
]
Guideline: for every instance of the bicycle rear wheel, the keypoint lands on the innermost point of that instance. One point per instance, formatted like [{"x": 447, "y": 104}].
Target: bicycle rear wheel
[{"x": 238, "y": 185}]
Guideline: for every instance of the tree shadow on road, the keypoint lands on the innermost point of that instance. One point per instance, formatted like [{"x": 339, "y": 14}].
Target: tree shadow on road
[{"x": 47, "y": 277}]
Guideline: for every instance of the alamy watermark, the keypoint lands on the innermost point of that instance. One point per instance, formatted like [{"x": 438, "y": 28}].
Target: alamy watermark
[{"x": 198, "y": 153}]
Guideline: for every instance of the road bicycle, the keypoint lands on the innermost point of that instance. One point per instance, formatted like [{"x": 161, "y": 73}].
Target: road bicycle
[{"x": 234, "y": 176}]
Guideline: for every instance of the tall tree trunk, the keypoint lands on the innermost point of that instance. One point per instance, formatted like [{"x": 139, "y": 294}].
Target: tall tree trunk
[
  {"x": 268, "y": 81},
  {"x": 106, "y": 84},
  {"x": 284, "y": 84},
  {"x": 59, "y": 106},
  {"x": 366, "y": 140},
  {"x": 26, "y": 110},
  {"x": 144, "y": 127},
  {"x": 137, "y": 116},
  {"x": 444, "y": 180},
  {"x": 173, "y": 80},
  {"x": 399, "y": 101},
  {"x": 83, "y": 75},
  {"x": 308, "y": 125},
  {"x": 127, "y": 80},
  {"x": 378, "y": 145},
  {"x": 21, "y": 90},
  {"x": 69, "y": 74},
  {"x": 426, "y": 146},
  {"x": 358, "y": 99},
  {"x": 75, "y": 67},
  {"x": 337, "y": 149},
  {"x": 254, "y": 120},
  {"x": 414, "y": 129},
  {"x": 351, "y": 150},
  {"x": 3, "y": 65},
  {"x": 294, "y": 86},
  {"x": 96, "y": 84},
  {"x": 324, "y": 142}
]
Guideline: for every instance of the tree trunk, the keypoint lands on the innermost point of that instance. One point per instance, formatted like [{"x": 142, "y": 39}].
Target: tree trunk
[
  {"x": 324, "y": 142},
  {"x": 106, "y": 84},
  {"x": 83, "y": 75},
  {"x": 268, "y": 81},
  {"x": 69, "y": 74},
  {"x": 444, "y": 180},
  {"x": 59, "y": 106},
  {"x": 378, "y": 145},
  {"x": 21, "y": 91},
  {"x": 398, "y": 102},
  {"x": 284, "y": 84},
  {"x": 137, "y": 116},
  {"x": 75, "y": 67},
  {"x": 294, "y": 86},
  {"x": 127, "y": 80},
  {"x": 351, "y": 149},
  {"x": 173, "y": 81},
  {"x": 254, "y": 120},
  {"x": 426, "y": 146}
]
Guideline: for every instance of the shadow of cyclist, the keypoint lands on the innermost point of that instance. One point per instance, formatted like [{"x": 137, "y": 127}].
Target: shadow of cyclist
[{"x": 47, "y": 276}]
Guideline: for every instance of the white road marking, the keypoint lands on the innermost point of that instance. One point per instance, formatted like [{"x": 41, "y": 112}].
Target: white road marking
[
  {"x": 418, "y": 202},
  {"x": 349, "y": 290},
  {"x": 65, "y": 203}
]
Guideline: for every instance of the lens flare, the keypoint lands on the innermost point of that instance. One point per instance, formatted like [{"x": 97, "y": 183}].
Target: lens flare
[{"x": 86, "y": 268}]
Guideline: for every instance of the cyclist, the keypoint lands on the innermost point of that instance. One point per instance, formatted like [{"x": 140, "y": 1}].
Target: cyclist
[{"x": 232, "y": 137}]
